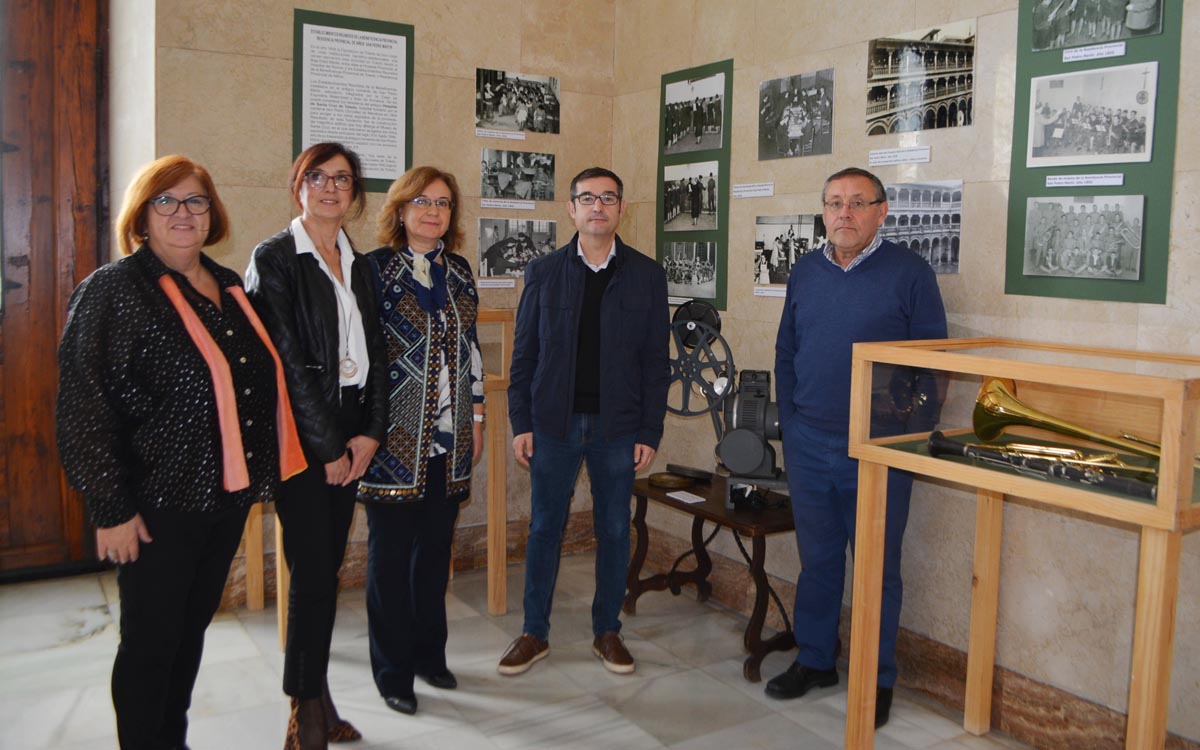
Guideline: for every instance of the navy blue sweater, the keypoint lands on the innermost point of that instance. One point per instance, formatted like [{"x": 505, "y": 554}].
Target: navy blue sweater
[{"x": 891, "y": 296}]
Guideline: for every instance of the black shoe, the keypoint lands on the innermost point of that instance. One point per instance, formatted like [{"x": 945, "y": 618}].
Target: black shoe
[
  {"x": 405, "y": 704},
  {"x": 444, "y": 680},
  {"x": 798, "y": 680},
  {"x": 883, "y": 706}
]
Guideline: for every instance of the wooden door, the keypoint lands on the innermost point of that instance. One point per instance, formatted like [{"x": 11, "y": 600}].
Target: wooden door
[{"x": 53, "y": 209}]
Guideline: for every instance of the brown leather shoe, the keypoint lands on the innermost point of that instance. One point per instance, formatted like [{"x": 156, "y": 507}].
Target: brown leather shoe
[
  {"x": 610, "y": 649},
  {"x": 521, "y": 655}
]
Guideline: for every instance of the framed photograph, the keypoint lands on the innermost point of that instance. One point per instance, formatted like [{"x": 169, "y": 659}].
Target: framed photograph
[
  {"x": 694, "y": 111},
  {"x": 520, "y": 175},
  {"x": 352, "y": 83},
  {"x": 516, "y": 101},
  {"x": 921, "y": 80},
  {"x": 690, "y": 196},
  {"x": 1101, "y": 116},
  {"x": 795, "y": 116},
  {"x": 506, "y": 246},
  {"x": 1075, "y": 23},
  {"x": 691, "y": 269},
  {"x": 927, "y": 218},
  {"x": 779, "y": 241},
  {"x": 1084, "y": 236}
]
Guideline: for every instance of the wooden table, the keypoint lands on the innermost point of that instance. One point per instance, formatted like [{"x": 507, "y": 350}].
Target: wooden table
[{"x": 756, "y": 524}]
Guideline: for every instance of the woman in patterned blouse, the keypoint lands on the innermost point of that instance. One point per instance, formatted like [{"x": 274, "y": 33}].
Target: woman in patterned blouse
[
  {"x": 169, "y": 389},
  {"x": 422, "y": 472}
]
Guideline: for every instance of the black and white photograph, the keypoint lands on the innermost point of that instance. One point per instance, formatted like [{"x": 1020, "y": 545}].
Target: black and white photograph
[
  {"x": 522, "y": 175},
  {"x": 506, "y": 246},
  {"x": 779, "y": 241},
  {"x": 1084, "y": 236},
  {"x": 1075, "y": 23},
  {"x": 690, "y": 197},
  {"x": 1102, "y": 116},
  {"x": 795, "y": 116},
  {"x": 922, "y": 80},
  {"x": 693, "y": 114},
  {"x": 516, "y": 101},
  {"x": 927, "y": 218},
  {"x": 691, "y": 269}
]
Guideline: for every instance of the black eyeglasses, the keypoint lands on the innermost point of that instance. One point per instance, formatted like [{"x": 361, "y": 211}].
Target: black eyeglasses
[
  {"x": 854, "y": 206},
  {"x": 316, "y": 180},
  {"x": 166, "y": 205},
  {"x": 588, "y": 199},
  {"x": 445, "y": 204}
]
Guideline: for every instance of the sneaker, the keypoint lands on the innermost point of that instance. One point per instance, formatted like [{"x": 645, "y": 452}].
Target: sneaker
[
  {"x": 798, "y": 680},
  {"x": 610, "y": 649},
  {"x": 521, "y": 655}
]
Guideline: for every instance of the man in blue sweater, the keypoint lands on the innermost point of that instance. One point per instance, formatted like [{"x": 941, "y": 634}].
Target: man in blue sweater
[
  {"x": 588, "y": 382},
  {"x": 858, "y": 287}
]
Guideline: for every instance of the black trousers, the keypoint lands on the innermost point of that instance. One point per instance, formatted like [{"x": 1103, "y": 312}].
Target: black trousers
[
  {"x": 168, "y": 598},
  {"x": 408, "y": 567},
  {"x": 316, "y": 520}
]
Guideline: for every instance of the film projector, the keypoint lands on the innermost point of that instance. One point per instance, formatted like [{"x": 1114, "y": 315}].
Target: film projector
[{"x": 744, "y": 418}]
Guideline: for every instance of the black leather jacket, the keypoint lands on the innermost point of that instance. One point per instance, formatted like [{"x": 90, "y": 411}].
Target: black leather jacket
[{"x": 297, "y": 304}]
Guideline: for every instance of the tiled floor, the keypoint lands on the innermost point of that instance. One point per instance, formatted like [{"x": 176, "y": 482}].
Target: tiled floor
[{"x": 57, "y": 640}]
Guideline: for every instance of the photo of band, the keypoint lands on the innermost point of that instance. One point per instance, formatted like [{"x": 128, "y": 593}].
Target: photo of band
[
  {"x": 1103, "y": 116},
  {"x": 694, "y": 113},
  {"x": 691, "y": 269},
  {"x": 1084, "y": 236},
  {"x": 795, "y": 116},
  {"x": 522, "y": 175},
  {"x": 1073, "y": 23},
  {"x": 506, "y": 246},
  {"x": 516, "y": 101}
]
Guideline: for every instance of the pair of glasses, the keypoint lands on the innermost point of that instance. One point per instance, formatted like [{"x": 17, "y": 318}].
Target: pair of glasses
[
  {"x": 316, "y": 180},
  {"x": 166, "y": 205},
  {"x": 589, "y": 199},
  {"x": 854, "y": 206},
  {"x": 443, "y": 204}
]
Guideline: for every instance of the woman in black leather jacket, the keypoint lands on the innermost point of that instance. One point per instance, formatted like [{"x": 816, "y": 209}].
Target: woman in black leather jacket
[{"x": 316, "y": 297}]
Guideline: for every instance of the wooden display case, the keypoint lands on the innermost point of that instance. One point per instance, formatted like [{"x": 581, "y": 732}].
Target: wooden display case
[{"x": 1108, "y": 391}]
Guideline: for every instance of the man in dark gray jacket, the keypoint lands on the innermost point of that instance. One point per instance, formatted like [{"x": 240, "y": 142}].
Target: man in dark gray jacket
[{"x": 589, "y": 383}]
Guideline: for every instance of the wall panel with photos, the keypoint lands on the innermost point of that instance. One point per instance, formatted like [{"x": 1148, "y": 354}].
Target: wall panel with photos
[
  {"x": 1093, "y": 154},
  {"x": 692, "y": 229}
]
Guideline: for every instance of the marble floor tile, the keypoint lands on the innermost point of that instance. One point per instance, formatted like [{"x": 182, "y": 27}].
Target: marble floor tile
[
  {"x": 58, "y": 640},
  {"x": 683, "y": 705}
]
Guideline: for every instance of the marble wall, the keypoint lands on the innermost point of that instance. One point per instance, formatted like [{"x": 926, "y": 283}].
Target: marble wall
[
  {"x": 1068, "y": 584},
  {"x": 221, "y": 92}
]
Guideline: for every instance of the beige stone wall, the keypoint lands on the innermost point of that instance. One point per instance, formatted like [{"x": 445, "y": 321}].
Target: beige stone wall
[
  {"x": 222, "y": 90},
  {"x": 1068, "y": 584}
]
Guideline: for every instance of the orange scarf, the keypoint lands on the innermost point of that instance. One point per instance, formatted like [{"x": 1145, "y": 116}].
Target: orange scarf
[{"x": 291, "y": 455}]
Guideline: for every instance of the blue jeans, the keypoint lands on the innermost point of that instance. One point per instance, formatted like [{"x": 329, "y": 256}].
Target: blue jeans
[
  {"x": 554, "y": 468},
  {"x": 823, "y": 484}
]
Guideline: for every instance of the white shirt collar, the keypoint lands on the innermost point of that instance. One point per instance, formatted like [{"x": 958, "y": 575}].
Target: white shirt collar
[{"x": 612, "y": 253}]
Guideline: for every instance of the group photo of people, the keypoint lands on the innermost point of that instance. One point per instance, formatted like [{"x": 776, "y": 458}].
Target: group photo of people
[
  {"x": 795, "y": 116},
  {"x": 1073, "y": 23},
  {"x": 506, "y": 246},
  {"x": 779, "y": 241},
  {"x": 691, "y": 269},
  {"x": 1091, "y": 236},
  {"x": 1092, "y": 117},
  {"x": 690, "y": 197},
  {"x": 520, "y": 175},
  {"x": 694, "y": 114},
  {"x": 516, "y": 101}
]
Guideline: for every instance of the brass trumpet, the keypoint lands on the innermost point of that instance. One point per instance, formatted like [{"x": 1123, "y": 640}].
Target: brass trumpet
[{"x": 997, "y": 409}]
